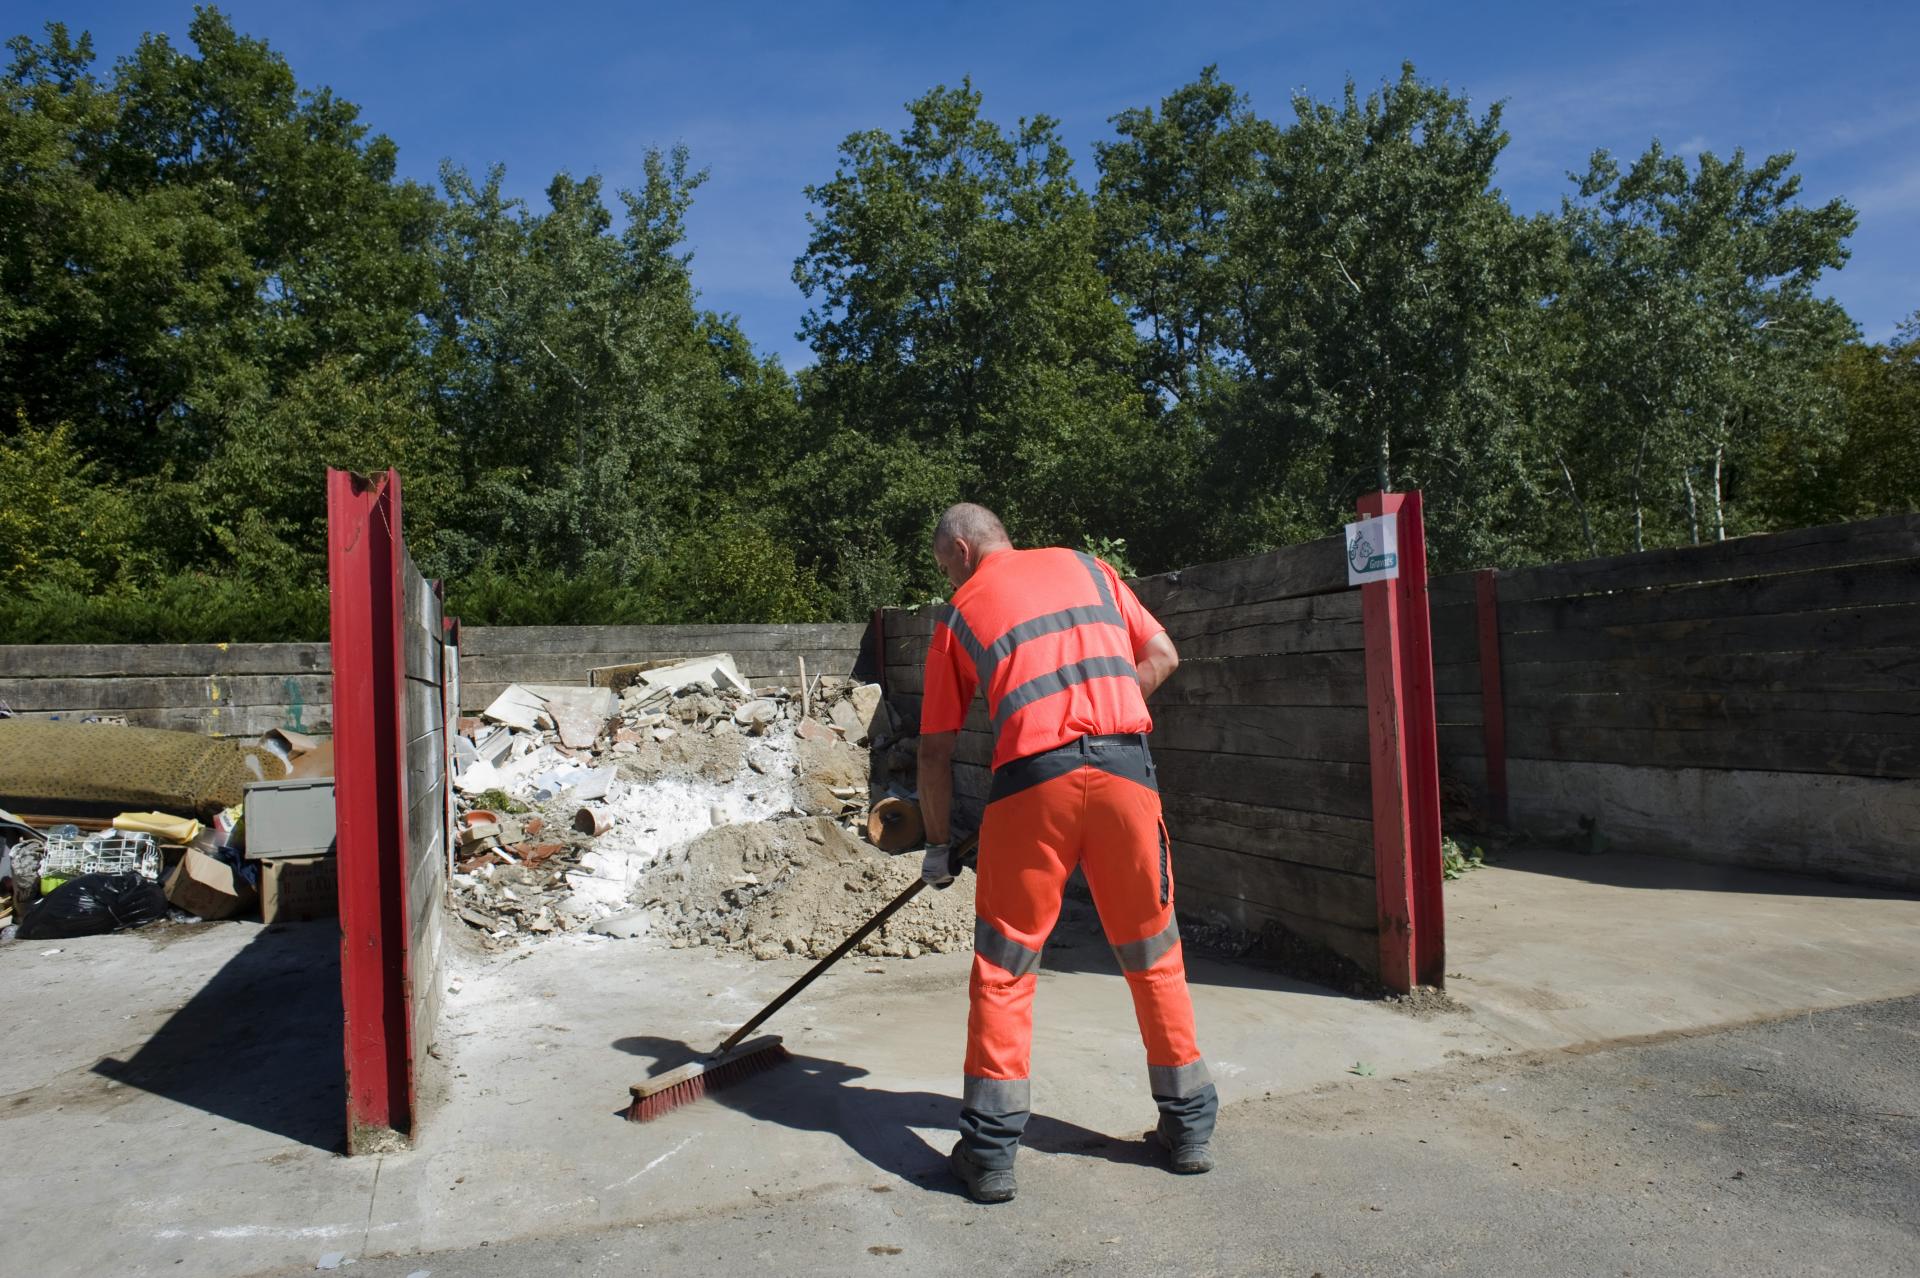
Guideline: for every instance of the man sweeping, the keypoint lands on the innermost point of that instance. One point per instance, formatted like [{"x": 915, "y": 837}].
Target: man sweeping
[{"x": 1067, "y": 657}]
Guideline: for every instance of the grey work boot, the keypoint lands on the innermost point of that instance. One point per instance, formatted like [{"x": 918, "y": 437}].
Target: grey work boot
[
  {"x": 1186, "y": 1154},
  {"x": 984, "y": 1184}
]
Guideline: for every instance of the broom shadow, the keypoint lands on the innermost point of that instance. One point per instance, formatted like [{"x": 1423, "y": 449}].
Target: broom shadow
[{"x": 818, "y": 1094}]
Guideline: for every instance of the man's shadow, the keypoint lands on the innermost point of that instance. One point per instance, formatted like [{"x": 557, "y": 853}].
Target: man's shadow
[{"x": 814, "y": 1094}]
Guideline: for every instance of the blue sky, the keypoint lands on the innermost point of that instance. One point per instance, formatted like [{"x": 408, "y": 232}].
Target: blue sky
[{"x": 763, "y": 93}]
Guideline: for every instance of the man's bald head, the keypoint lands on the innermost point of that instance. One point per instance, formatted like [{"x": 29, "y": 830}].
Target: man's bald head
[
  {"x": 965, "y": 535},
  {"x": 973, "y": 524}
]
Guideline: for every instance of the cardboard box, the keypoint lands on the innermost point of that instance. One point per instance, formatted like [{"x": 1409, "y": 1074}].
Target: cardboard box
[
  {"x": 296, "y": 888},
  {"x": 206, "y": 887}
]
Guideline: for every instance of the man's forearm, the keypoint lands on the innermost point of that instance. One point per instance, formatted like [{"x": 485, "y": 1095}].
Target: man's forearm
[
  {"x": 936, "y": 785},
  {"x": 1159, "y": 661}
]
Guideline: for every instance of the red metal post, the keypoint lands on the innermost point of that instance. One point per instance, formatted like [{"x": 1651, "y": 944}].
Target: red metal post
[
  {"x": 364, "y": 557},
  {"x": 1405, "y": 756},
  {"x": 1493, "y": 704}
]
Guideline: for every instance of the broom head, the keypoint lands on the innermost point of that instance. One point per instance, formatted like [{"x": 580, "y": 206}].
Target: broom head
[{"x": 683, "y": 1086}]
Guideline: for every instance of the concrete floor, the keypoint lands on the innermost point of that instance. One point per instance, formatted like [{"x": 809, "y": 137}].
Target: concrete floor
[
  {"x": 210, "y": 1147},
  {"x": 1785, "y": 1147}
]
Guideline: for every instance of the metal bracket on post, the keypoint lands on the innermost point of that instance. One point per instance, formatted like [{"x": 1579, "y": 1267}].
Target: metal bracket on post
[{"x": 1404, "y": 752}]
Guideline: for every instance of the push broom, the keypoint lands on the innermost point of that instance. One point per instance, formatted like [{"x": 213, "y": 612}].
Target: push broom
[{"x": 736, "y": 1059}]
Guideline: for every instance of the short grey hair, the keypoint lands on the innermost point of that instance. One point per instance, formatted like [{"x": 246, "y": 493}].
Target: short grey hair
[{"x": 976, "y": 525}]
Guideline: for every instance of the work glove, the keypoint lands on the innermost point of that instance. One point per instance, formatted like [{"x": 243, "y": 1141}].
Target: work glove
[
  {"x": 938, "y": 865},
  {"x": 941, "y": 863}
]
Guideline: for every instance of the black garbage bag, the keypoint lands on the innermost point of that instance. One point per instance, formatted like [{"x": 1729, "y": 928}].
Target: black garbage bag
[{"x": 91, "y": 904}]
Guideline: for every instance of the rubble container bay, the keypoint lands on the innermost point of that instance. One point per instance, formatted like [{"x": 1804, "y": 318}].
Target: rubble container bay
[{"x": 695, "y": 812}]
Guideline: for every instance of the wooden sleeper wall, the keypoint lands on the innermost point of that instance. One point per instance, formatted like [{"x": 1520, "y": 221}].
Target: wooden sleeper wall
[{"x": 1260, "y": 739}]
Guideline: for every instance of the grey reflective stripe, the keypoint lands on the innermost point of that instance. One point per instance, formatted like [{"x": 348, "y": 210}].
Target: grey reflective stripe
[
  {"x": 1179, "y": 1081},
  {"x": 1092, "y": 566},
  {"x": 1055, "y": 681},
  {"x": 964, "y": 633},
  {"x": 998, "y": 1095},
  {"x": 1051, "y": 624},
  {"x": 1138, "y": 956},
  {"x": 1001, "y": 950}
]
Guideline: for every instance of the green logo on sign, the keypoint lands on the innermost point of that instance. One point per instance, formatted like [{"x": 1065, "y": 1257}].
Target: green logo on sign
[{"x": 1365, "y": 558}]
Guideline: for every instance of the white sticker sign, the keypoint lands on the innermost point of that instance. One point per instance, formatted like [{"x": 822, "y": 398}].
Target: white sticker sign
[{"x": 1373, "y": 550}]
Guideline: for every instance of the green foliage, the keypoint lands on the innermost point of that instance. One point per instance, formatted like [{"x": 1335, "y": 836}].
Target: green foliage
[
  {"x": 213, "y": 285},
  {"x": 1456, "y": 858},
  {"x": 183, "y": 608},
  {"x": 967, "y": 344}
]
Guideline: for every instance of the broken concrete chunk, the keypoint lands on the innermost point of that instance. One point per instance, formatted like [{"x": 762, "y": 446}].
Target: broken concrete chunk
[
  {"x": 663, "y": 734},
  {"x": 717, "y": 670},
  {"x": 623, "y": 927},
  {"x": 755, "y": 715},
  {"x": 848, "y": 720},
  {"x": 814, "y": 730}
]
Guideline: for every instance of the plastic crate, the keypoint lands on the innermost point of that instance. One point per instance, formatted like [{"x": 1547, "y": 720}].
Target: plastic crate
[
  {"x": 289, "y": 818},
  {"x": 111, "y": 852}
]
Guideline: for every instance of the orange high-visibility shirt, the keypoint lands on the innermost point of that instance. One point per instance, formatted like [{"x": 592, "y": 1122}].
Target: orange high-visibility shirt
[{"x": 1054, "y": 636}]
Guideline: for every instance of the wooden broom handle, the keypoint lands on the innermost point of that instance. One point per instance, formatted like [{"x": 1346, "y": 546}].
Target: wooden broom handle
[{"x": 866, "y": 929}]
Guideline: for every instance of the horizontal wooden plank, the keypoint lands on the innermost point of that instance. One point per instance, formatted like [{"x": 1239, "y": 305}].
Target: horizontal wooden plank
[
  {"x": 1294, "y": 732},
  {"x": 1312, "y": 568},
  {"x": 1359, "y": 946},
  {"x": 1858, "y": 586},
  {"x": 1456, "y": 633},
  {"x": 1345, "y": 900},
  {"x": 1871, "y": 541},
  {"x": 1457, "y": 678},
  {"x": 1272, "y": 679},
  {"x": 422, "y": 711},
  {"x": 1864, "y": 754},
  {"x": 420, "y": 654},
  {"x": 1454, "y": 708},
  {"x": 1824, "y": 670},
  {"x": 1310, "y": 838},
  {"x": 149, "y": 692},
  {"x": 1453, "y": 588},
  {"x": 639, "y": 643},
  {"x": 101, "y": 661},
  {"x": 903, "y": 624},
  {"x": 906, "y": 653},
  {"x": 1839, "y": 713},
  {"x": 1460, "y": 741},
  {"x": 1324, "y": 623},
  {"x": 1889, "y": 627},
  {"x": 215, "y": 720},
  {"x": 1302, "y": 784},
  {"x": 426, "y": 762},
  {"x": 572, "y": 667},
  {"x": 1269, "y": 679}
]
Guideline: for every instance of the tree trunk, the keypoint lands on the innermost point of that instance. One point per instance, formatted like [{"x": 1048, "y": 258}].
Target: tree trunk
[
  {"x": 1693, "y": 504},
  {"x": 1386, "y": 459},
  {"x": 1719, "y": 507},
  {"x": 1586, "y": 525}
]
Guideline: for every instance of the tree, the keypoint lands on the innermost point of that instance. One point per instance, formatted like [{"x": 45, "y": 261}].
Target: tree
[
  {"x": 967, "y": 346},
  {"x": 1379, "y": 258},
  {"x": 1698, "y": 330},
  {"x": 1170, "y": 190}
]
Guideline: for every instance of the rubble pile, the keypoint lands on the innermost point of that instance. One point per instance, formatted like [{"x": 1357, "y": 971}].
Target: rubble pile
[{"x": 683, "y": 804}]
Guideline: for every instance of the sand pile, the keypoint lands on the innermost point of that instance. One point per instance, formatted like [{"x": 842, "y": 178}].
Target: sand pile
[{"x": 798, "y": 886}]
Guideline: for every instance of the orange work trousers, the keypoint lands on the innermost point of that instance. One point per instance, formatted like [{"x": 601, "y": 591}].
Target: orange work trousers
[{"x": 1095, "y": 804}]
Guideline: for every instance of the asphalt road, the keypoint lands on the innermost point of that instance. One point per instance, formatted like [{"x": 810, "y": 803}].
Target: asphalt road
[{"x": 1786, "y": 1148}]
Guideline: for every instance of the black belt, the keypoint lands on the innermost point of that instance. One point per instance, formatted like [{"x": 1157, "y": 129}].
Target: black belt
[{"x": 1121, "y": 755}]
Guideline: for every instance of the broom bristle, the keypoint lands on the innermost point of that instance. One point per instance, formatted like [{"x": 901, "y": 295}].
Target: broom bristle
[{"x": 666, "y": 1100}]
